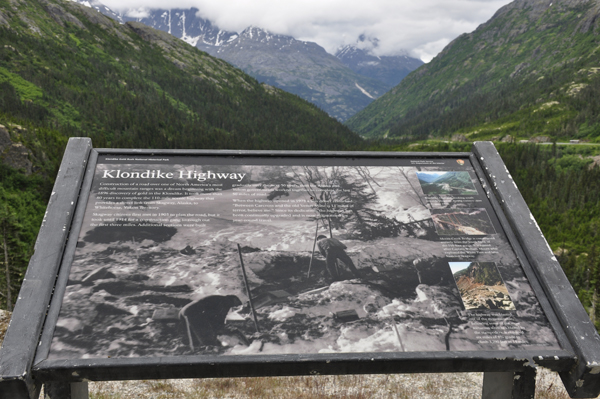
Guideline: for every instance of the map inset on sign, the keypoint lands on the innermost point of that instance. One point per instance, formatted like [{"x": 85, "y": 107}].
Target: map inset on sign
[
  {"x": 457, "y": 183},
  {"x": 481, "y": 286}
]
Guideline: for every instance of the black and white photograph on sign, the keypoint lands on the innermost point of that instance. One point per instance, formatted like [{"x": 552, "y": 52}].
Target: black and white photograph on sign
[
  {"x": 441, "y": 182},
  {"x": 458, "y": 222},
  {"x": 481, "y": 286},
  {"x": 263, "y": 259}
]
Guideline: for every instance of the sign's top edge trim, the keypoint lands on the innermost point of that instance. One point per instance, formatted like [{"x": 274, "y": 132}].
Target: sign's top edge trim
[{"x": 265, "y": 153}]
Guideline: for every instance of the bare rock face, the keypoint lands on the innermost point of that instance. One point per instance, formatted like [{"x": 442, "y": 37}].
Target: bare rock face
[
  {"x": 486, "y": 297},
  {"x": 460, "y": 137},
  {"x": 106, "y": 23},
  {"x": 4, "y": 320},
  {"x": 157, "y": 37},
  {"x": 596, "y": 162},
  {"x": 541, "y": 139},
  {"x": 15, "y": 155},
  {"x": 3, "y": 20},
  {"x": 5, "y": 140},
  {"x": 536, "y": 8},
  {"x": 60, "y": 15}
]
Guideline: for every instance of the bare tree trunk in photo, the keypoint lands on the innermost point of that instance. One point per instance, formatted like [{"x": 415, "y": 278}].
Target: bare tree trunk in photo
[
  {"x": 248, "y": 289},
  {"x": 8, "y": 293},
  {"x": 312, "y": 254}
]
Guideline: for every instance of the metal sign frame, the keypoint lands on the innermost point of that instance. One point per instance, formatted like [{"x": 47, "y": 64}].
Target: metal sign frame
[{"x": 24, "y": 364}]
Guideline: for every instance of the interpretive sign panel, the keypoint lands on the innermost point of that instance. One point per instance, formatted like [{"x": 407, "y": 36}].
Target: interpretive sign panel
[
  {"x": 195, "y": 255},
  {"x": 174, "y": 264}
]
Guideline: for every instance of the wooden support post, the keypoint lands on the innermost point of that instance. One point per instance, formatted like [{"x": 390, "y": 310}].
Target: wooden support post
[
  {"x": 23, "y": 334},
  {"x": 509, "y": 385},
  {"x": 66, "y": 390}
]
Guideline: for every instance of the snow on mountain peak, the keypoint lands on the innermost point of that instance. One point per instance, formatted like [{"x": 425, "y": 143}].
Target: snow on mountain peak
[
  {"x": 366, "y": 93},
  {"x": 345, "y": 50},
  {"x": 251, "y": 31},
  {"x": 192, "y": 41},
  {"x": 254, "y": 32}
]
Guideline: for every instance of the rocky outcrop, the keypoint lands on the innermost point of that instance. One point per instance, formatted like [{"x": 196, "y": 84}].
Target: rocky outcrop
[
  {"x": 3, "y": 20},
  {"x": 15, "y": 155},
  {"x": 106, "y": 23},
  {"x": 157, "y": 37},
  {"x": 5, "y": 316},
  {"x": 477, "y": 295},
  {"x": 60, "y": 15},
  {"x": 595, "y": 163},
  {"x": 459, "y": 137}
]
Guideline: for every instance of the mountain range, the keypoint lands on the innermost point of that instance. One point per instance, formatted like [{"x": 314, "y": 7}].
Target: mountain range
[
  {"x": 128, "y": 84},
  {"x": 340, "y": 84},
  {"x": 531, "y": 70},
  {"x": 387, "y": 69}
]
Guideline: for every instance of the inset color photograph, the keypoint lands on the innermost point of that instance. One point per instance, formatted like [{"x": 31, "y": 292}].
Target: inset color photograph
[
  {"x": 481, "y": 286},
  {"x": 456, "y": 183},
  {"x": 458, "y": 222}
]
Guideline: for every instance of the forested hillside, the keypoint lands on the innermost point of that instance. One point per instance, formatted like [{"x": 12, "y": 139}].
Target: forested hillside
[
  {"x": 66, "y": 70},
  {"x": 130, "y": 85},
  {"x": 561, "y": 186},
  {"x": 531, "y": 70}
]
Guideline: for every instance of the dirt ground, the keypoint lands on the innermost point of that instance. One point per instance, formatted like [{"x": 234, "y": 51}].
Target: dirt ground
[
  {"x": 422, "y": 386},
  {"x": 425, "y": 386}
]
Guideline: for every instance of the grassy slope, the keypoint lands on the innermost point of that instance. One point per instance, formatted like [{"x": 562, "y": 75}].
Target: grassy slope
[{"x": 531, "y": 70}]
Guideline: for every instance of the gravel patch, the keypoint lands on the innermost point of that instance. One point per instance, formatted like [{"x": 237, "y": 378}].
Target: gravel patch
[{"x": 426, "y": 386}]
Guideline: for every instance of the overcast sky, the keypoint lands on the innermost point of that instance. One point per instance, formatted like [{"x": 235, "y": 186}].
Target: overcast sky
[{"x": 420, "y": 28}]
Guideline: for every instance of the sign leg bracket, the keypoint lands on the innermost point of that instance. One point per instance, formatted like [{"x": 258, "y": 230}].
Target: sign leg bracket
[
  {"x": 66, "y": 390},
  {"x": 509, "y": 385}
]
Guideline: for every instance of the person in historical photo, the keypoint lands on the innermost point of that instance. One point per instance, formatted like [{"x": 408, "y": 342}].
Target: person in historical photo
[
  {"x": 205, "y": 318},
  {"x": 333, "y": 250}
]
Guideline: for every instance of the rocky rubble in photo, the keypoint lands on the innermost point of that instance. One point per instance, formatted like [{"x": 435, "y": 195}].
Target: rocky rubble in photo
[
  {"x": 116, "y": 289},
  {"x": 486, "y": 297}
]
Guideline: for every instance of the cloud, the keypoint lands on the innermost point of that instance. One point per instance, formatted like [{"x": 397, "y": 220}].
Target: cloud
[{"x": 419, "y": 28}]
